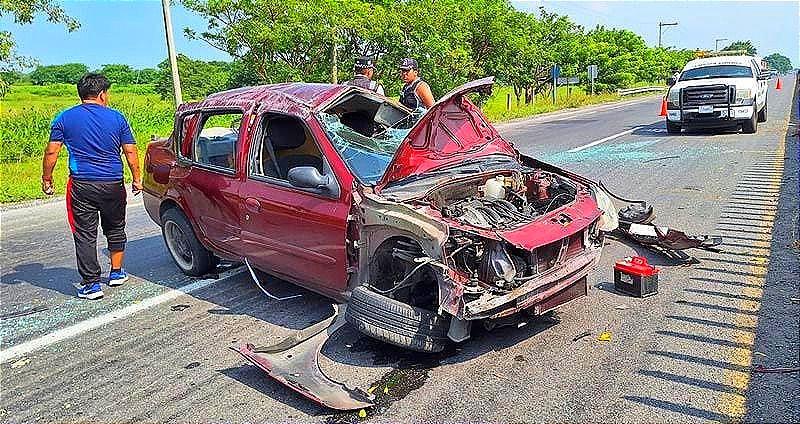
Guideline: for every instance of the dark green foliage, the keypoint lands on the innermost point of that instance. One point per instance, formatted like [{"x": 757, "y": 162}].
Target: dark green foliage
[
  {"x": 744, "y": 45},
  {"x": 68, "y": 73},
  {"x": 778, "y": 62}
]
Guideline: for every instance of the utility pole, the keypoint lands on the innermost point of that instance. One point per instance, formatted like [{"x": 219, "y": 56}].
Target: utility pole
[
  {"x": 716, "y": 43},
  {"x": 173, "y": 61},
  {"x": 661, "y": 25}
]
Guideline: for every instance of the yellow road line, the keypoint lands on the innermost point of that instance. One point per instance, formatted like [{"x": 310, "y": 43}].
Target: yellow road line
[{"x": 734, "y": 404}]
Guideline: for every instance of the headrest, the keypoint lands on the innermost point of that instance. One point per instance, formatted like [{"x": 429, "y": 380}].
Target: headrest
[{"x": 286, "y": 133}]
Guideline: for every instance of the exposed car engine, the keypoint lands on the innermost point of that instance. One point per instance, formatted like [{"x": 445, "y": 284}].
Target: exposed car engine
[{"x": 505, "y": 201}]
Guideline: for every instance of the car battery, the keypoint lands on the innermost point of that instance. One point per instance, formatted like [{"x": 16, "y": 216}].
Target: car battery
[{"x": 634, "y": 276}]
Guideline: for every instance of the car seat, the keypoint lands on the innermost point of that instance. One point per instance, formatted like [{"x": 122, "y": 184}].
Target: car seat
[{"x": 286, "y": 134}]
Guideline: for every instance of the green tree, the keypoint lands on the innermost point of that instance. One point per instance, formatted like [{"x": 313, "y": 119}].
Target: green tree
[
  {"x": 198, "y": 78},
  {"x": 744, "y": 45},
  {"x": 147, "y": 76},
  {"x": 119, "y": 74},
  {"x": 68, "y": 73},
  {"x": 23, "y": 12},
  {"x": 778, "y": 62}
]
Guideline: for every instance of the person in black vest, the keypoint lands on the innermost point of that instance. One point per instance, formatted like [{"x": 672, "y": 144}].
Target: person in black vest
[
  {"x": 416, "y": 92},
  {"x": 364, "y": 70}
]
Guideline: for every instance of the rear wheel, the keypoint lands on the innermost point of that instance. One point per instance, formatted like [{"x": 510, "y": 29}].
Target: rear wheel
[
  {"x": 673, "y": 128},
  {"x": 186, "y": 250}
]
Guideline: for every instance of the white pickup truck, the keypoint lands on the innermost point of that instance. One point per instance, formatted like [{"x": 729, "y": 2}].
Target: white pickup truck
[{"x": 717, "y": 92}]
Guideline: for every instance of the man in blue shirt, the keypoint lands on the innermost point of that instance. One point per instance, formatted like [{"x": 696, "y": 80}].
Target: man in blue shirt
[{"x": 94, "y": 134}]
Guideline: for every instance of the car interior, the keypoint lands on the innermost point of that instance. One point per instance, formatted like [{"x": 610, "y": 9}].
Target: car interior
[
  {"x": 286, "y": 144},
  {"x": 368, "y": 114}
]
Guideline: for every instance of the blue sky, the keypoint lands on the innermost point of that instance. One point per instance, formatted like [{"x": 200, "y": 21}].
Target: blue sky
[{"x": 132, "y": 32}]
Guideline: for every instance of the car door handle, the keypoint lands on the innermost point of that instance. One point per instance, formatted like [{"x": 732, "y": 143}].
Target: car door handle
[{"x": 252, "y": 204}]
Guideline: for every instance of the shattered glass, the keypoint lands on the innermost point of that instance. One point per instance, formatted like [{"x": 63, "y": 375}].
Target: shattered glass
[{"x": 367, "y": 157}]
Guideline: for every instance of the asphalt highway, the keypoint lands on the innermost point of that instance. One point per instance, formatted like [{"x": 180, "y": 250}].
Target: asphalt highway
[{"x": 156, "y": 349}]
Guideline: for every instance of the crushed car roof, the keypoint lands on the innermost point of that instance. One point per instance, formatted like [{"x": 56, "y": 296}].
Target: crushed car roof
[{"x": 294, "y": 97}]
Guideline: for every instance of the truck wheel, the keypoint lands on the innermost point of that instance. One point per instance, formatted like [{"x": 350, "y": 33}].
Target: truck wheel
[
  {"x": 762, "y": 115},
  {"x": 673, "y": 128},
  {"x": 751, "y": 125},
  {"x": 395, "y": 322},
  {"x": 186, "y": 250}
]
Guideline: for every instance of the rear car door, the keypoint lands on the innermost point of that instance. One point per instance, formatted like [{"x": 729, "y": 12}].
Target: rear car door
[
  {"x": 296, "y": 233},
  {"x": 208, "y": 174}
]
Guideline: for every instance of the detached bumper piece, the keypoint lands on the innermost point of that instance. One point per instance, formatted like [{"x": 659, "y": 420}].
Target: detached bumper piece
[
  {"x": 294, "y": 362},
  {"x": 635, "y": 223}
]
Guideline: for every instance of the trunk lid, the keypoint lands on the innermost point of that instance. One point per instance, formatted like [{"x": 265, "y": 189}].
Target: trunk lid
[{"x": 451, "y": 131}]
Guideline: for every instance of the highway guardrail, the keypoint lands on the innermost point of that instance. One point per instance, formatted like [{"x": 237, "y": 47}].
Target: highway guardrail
[{"x": 629, "y": 91}]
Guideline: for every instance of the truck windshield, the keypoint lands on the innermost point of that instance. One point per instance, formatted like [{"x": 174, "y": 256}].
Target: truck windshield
[{"x": 719, "y": 71}]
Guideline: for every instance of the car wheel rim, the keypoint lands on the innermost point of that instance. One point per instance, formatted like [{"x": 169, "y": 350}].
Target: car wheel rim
[{"x": 178, "y": 245}]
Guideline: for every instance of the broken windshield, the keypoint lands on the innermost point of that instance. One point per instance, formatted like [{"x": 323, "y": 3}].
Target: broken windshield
[{"x": 366, "y": 156}]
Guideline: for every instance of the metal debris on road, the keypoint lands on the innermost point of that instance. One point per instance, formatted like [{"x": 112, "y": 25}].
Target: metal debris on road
[
  {"x": 294, "y": 362},
  {"x": 661, "y": 158}
]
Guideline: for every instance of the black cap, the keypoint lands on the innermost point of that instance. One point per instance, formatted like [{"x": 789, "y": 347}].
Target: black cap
[
  {"x": 364, "y": 62},
  {"x": 409, "y": 63}
]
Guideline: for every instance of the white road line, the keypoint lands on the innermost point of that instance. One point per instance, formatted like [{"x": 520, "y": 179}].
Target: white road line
[
  {"x": 107, "y": 318},
  {"x": 602, "y": 140}
]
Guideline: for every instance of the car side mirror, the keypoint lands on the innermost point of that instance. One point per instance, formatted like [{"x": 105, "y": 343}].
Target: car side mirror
[
  {"x": 671, "y": 81},
  {"x": 307, "y": 177}
]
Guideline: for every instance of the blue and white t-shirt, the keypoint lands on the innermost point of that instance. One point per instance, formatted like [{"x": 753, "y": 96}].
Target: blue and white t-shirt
[{"x": 94, "y": 135}]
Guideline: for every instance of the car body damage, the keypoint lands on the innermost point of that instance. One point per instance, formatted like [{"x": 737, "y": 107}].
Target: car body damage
[{"x": 421, "y": 222}]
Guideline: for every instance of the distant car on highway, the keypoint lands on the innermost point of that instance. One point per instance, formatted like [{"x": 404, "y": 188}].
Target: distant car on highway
[
  {"x": 718, "y": 92},
  {"x": 422, "y": 223}
]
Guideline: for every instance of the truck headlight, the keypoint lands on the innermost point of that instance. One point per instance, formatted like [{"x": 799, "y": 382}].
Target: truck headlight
[
  {"x": 673, "y": 97},
  {"x": 743, "y": 95}
]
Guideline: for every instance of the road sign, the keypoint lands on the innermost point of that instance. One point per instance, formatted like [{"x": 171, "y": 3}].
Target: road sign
[
  {"x": 592, "y": 70},
  {"x": 555, "y": 71},
  {"x": 568, "y": 80}
]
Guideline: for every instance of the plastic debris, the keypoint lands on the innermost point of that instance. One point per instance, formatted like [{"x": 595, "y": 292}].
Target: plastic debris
[
  {"x": 622, "y": 307},
  {"x": 605, "y": 336},
  {"x": 582, "y": 335},
  {"x": 759, "y": 353},
  {"x": 20, "y": 363},
  {"x": 362, "y": 414},
  {"x": 372, "y": 389},
  {"x": 386, "y": 390}
]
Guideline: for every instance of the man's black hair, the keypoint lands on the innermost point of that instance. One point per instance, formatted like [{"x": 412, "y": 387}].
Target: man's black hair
[{"x": 91, "y": 85}]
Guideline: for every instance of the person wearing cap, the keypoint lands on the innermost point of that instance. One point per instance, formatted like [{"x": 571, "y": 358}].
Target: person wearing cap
[
  {"x": 416, "y": 92},
  {"x": 364, "y": 70}
]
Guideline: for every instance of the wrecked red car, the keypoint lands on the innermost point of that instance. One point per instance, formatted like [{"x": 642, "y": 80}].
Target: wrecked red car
[{"x": 421, "y": 221}]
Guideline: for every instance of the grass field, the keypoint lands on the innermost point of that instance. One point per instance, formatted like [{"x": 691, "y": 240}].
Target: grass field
[
  {"x": 26, "y": 113},
  {"x": 25, "y": 116}
]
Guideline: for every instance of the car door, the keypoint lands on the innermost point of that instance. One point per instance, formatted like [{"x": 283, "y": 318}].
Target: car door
[
  {"x": 762, "y": 84},
  {"x": 296, "y": 233},
  {"x": 208, "y": 175}
]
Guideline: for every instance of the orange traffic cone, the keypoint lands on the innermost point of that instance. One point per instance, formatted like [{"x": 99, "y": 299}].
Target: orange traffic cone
[
  {"x": 778, "y": 86},
  {"x": 663, "y": 108}
]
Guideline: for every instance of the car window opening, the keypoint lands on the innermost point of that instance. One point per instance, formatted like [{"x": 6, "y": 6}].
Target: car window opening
[
  {"x": 285, "y": 144},
  {"x": 366, "y": 131}
]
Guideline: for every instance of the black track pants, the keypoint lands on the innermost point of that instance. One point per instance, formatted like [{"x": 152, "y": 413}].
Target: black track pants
[{"x": 85, "y": 201}]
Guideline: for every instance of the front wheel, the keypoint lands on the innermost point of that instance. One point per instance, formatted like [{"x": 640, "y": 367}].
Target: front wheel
[
  {"x": 186, "y": 250},
  {"x": 762, "y": 115},
  {"x": 751, "y": 125},
  {"x": 673, "y": 128}
]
